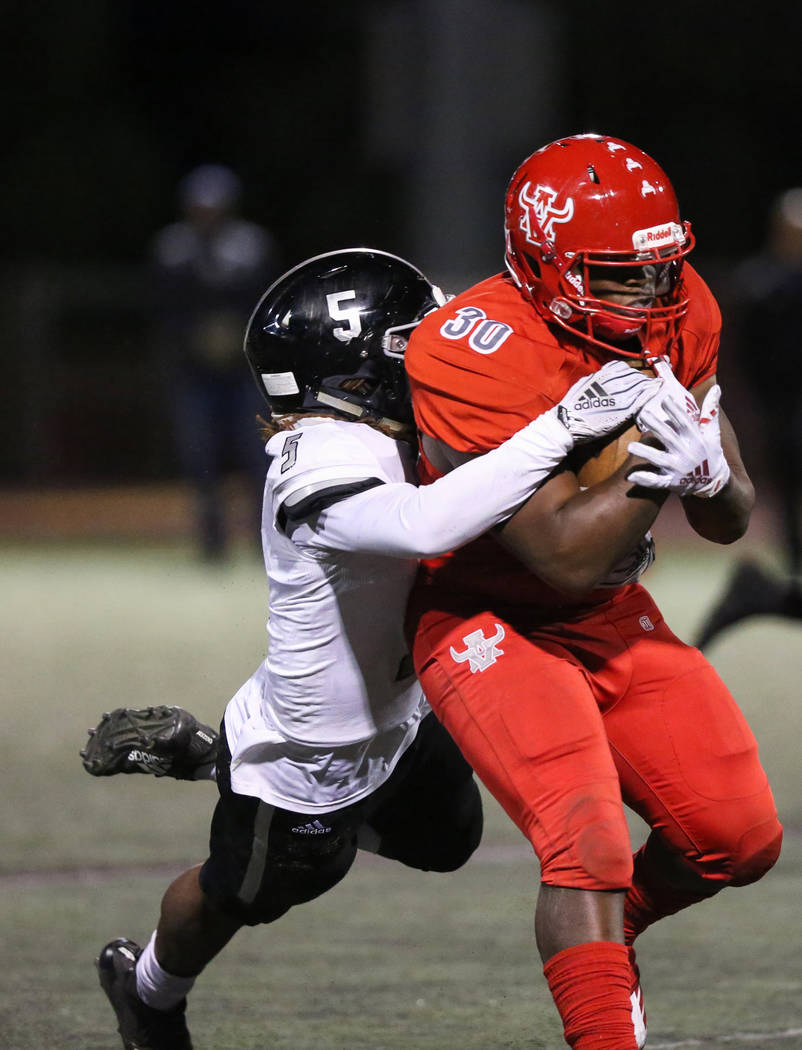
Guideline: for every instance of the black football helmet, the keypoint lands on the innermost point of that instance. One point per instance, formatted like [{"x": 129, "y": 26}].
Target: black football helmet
[{"x": 331, "y": 333}]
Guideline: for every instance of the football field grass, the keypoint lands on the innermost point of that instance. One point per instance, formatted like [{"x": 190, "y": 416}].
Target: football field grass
[{"x": 391, "y": 958}]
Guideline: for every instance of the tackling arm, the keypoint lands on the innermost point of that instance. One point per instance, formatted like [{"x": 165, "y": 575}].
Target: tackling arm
[{"x": 404, "y": 521}]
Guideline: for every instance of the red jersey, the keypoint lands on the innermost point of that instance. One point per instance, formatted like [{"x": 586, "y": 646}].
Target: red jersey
[{"x": 485, "y": 365}]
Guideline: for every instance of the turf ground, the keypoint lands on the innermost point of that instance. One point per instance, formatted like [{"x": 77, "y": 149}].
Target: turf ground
[{"x": 390, "y": 958}]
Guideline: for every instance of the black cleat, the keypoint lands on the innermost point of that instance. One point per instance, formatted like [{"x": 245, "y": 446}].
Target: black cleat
[
  {"x": 141, "y": 1027},
  {"x": 163, "y": 741},
  {"x": 751, "y": 592}
]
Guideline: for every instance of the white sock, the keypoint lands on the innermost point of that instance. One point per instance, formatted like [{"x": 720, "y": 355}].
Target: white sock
[{"x": 155, "y": 986}]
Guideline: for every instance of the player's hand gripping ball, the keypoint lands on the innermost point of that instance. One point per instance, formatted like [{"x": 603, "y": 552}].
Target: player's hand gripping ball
[{"x": 596, "y": 461}]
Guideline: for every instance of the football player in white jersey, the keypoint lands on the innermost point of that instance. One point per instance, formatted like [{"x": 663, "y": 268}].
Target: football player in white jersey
[{"x": 330, "y": 746}]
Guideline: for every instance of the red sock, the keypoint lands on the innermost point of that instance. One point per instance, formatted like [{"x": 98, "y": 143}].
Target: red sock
[{"x": 591, "y": 985}]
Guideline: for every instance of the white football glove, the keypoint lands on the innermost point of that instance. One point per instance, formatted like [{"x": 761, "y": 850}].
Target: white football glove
[
  {"x": 673, "y": 389},
  {"x": 692, "y": 462},
  {"x": 602, "y": 402}
]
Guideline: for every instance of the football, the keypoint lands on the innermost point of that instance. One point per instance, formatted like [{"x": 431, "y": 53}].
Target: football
[{"x": 597, "y": 460}]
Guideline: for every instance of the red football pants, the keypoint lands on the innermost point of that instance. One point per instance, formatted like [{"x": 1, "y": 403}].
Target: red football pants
[{"x": 565, "y": 720}]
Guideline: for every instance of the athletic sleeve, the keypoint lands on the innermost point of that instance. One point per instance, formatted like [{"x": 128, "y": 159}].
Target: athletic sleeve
[{"x": 404, "y": 521}]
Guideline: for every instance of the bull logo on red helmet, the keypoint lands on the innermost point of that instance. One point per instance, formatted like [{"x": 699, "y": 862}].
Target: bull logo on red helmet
[{"x": 539, "y": 212}]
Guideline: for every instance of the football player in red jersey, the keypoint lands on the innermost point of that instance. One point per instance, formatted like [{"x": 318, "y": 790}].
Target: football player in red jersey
[{"x": 537, "y": 647}]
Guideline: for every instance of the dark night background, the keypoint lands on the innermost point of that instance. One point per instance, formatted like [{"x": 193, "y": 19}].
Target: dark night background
[{"x": 392, "y": 124}]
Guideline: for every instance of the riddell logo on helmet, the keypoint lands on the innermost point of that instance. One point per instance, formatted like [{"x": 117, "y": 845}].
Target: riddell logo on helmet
[
  {"x": 575, "y": 280},
  {"x": 658, "y": 236}
]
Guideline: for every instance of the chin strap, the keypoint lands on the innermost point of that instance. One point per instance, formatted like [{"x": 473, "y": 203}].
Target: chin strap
[{"x": 359, "y": 413}]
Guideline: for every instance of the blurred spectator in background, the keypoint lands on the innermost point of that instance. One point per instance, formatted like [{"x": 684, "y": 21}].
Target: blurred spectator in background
[
  {"x": 210, "y": 268},
  {"x": 768, "y": 298}
]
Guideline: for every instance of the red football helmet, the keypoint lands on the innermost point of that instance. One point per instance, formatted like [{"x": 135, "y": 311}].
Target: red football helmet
[{"x": 595, "y": 241}]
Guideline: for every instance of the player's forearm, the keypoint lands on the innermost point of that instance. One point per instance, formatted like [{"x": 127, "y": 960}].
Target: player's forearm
[
  {"x": 725, "y": 517},
  {"x": 595, "y": 540},
  {"x": 580, "y": 540}
]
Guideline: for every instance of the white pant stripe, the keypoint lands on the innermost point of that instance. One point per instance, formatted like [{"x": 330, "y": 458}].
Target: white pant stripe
[{"x": 256, "y": 865}]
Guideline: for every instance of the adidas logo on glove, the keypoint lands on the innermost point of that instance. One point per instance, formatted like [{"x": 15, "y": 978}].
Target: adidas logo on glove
[{"x": 595, "y": 396}]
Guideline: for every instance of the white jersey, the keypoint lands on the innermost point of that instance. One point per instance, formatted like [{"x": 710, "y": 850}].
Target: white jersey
[
  {"x": 336, "y": 702},
  {"x": 326, "y": 717}
]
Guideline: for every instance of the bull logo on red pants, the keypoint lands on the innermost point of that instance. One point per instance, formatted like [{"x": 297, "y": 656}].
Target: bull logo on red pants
[{"x": 482, "y": 652}]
